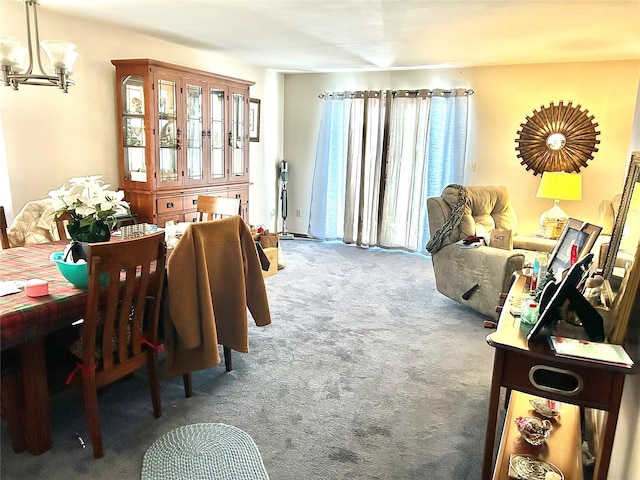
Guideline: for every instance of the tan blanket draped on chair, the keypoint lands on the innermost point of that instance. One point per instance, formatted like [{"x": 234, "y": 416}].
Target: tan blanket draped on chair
[{"x": 213, "y": 276}]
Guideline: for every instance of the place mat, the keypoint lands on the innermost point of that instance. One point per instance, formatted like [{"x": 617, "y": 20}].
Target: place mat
[{"x": 211, "y": 451}]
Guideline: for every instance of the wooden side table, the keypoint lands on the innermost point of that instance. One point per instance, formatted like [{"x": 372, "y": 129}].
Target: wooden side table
[{"x": 534, "y": 369}]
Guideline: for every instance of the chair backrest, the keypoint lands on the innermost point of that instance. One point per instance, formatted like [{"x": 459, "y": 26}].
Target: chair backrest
[
  {"x": 128, "y": 311},
  {"x": 4, "y": 238},
  {"x": 61, "y": 223},
  {"x": 210, "y": 207}
]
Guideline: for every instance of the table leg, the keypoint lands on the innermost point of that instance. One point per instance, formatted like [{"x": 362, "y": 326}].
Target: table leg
[
  {"x": 36, "y": 397},
  {"x": 603, "y": 457},
  {"x": 492, "y": 414}
]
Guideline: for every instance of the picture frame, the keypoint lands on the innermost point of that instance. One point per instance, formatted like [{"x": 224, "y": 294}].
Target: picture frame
[
  {"x": 254, "y": 119},
  {"x": 585, "y": 234}
]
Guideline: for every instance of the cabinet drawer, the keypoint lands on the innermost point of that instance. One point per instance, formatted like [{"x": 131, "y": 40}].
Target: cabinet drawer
[
  {"x": 241, "y": 193},
  {"x": 176, "y": 218},
  {"x": 191, "y": 216},
  {"x": 170, "y": 204},
  {"x": 564, "y": 381},
  {"x": 191, "y": 202}
]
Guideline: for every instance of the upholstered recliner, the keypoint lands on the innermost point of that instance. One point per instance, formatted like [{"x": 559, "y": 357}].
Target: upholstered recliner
[{"x": 456, "y": 215}]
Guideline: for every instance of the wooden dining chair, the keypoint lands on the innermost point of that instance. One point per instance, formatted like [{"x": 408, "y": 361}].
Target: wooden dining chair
[
  {"x": 120, "y": 330},
  {"x": 210, "y": 207},
  {"x": 4, "y": 238},
  {"x": 61, "y": 222},
  {"x": 214, "y": 276}
]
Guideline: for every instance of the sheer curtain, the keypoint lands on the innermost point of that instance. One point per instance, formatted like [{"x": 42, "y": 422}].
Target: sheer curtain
[
  {"x": 326, "y": 217},
  {"x": 380, "y": 155},
  {"x": 427, "y": 147},
  {"x": 346, "y": 183}
]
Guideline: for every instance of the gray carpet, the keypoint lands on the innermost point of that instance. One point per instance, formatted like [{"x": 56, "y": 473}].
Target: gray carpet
[{"x": 366, "y": 373}]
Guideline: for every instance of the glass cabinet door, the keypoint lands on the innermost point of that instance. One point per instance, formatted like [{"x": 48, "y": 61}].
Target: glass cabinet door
[
  {"x": 133, "y": 132},
  {"x": 170, "y": 135},
  {"x": 218, "y": 140},
  {"x": 195, "y": 133},
  {"x": 238, "y": 139}
]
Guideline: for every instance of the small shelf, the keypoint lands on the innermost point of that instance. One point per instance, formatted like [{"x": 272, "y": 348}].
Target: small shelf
[{"x": 563, "y": 447}]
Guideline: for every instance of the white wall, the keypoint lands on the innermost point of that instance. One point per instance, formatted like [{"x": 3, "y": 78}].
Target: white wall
[
  {"x": 504, "y": 96},
  {"x": 51, "y": 136}
]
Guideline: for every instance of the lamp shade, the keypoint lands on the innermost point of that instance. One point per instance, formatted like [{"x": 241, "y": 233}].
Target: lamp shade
[
  {"x": 61, "y": 54},
  {"x": 560, "y": 186},
  {"x": 10, "y": 51}
]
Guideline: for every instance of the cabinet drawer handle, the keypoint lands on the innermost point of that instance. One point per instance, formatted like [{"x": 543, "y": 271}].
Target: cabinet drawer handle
[
  {"x": 170, "y": 205},
  {"x": 194, "y": 201},
  {"x": 238, "y": 195},
  {"x": 555, "y": 380}
]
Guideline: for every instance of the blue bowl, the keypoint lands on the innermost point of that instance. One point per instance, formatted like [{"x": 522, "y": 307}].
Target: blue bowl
[{"x": 76, "y": 273}]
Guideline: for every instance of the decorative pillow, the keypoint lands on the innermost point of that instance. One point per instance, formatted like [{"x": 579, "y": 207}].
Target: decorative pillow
[{"x": 501, "y": 238}]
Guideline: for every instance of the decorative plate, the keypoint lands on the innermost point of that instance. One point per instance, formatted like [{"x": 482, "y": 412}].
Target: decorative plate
[
  {"x": 526, "y": 467},
  {"x": 546, "y": 408},
  {"x": 557, "y": 138}
]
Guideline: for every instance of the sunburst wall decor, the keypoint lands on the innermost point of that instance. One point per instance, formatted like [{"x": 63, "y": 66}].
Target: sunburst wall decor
[{"x": 558, "y": 138}]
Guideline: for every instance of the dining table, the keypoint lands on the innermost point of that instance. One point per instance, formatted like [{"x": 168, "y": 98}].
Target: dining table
[{"x": 26, "y": 321}]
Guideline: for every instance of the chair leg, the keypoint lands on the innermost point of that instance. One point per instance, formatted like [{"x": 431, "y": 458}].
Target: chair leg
[
  {"x": 13, "y": 410},
  {"x": 188, "y": 389},
  {"x": 90, "y": 394},
  {"x": 154, "y": 383},
  {"x": 227, "y": 358}
]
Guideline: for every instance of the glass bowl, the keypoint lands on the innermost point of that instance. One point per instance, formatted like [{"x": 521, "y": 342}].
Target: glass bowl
[
  {"x": 534, "y": 430},
  {"x": 547, "y": 408}
]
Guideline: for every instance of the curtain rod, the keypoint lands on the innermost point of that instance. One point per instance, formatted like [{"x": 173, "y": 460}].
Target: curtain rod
[{"x": 439, "y": 92}]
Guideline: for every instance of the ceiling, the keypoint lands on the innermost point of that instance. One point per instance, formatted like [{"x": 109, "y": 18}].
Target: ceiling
[{"x": 335, "y": 35}]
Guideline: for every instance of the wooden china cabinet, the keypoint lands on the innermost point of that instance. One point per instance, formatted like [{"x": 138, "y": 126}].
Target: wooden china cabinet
[{"x": 181, "y": 133}]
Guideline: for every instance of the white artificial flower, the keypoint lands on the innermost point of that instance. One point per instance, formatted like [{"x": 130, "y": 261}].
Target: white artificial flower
[{"x": 88, "y": 198}]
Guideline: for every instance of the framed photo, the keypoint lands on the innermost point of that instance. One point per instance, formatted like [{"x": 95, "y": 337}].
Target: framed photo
[
  {"x": 254, "y": 120},
  {"x": 583, "y": 234}
]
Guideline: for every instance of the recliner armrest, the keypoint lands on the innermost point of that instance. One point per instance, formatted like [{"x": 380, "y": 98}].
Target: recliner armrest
[{"x": 538, "y": 244}]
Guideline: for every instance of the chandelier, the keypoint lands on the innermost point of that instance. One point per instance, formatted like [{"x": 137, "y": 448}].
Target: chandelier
[{"x": 61, "y": 57}]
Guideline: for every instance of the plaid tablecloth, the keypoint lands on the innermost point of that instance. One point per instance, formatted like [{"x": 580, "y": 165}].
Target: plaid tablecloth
[{"x": 24, "y": 318}]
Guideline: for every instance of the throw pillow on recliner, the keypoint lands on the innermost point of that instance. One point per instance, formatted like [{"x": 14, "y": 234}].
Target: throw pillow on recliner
[{"x": 501, "y": 238}]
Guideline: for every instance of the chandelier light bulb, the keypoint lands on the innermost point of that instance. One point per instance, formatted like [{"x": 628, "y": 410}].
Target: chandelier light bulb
[{"x": 62, "y": 56}]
